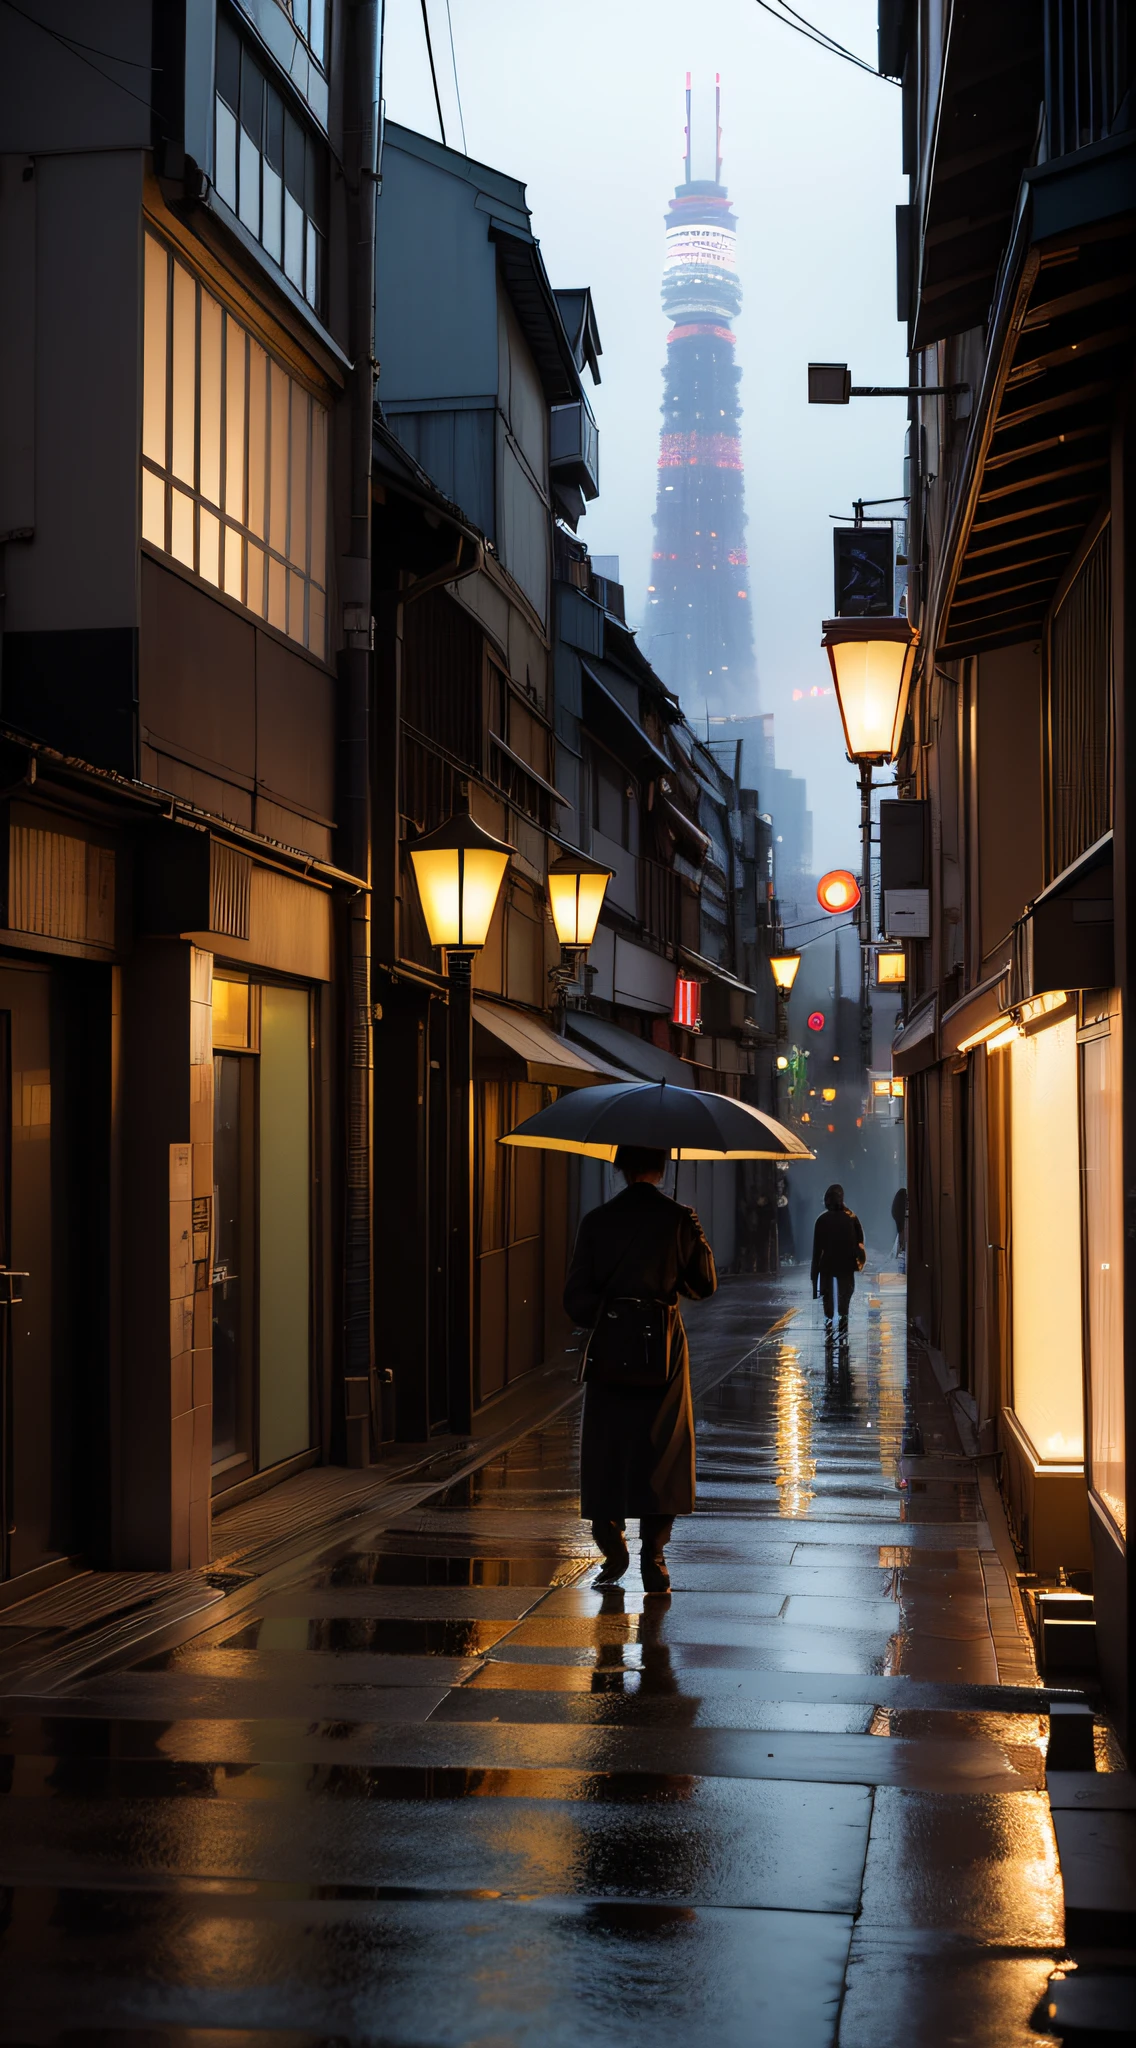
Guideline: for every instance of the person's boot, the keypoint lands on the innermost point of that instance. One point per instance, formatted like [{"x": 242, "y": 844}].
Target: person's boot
[
  {"x": 617, "y": 1557},
  {"x": 654, "y": 1535},
  {"x": 656, "y": 1577}
]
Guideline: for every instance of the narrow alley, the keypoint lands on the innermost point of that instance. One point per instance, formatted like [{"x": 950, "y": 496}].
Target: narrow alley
[{"x": 429, "y": 1785}]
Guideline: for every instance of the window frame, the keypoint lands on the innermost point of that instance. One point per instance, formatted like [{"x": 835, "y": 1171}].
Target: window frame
[
  {"x": 252, "y": 130},
  {"x": 225, "y": 541}
]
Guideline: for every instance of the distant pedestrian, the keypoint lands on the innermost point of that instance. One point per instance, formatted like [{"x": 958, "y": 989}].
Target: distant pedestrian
[
  {"x": 634, "y": 1258},
  {"x": 899, "y": 1218},
  {"x": 838, "y": 1255}
]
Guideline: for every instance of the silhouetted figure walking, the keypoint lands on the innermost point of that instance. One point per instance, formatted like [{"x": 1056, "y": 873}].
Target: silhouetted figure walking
[{"x": 838, "y": 1255}]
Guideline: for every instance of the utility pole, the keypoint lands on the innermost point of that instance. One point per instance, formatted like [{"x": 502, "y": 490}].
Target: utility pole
[{"x": 865, "y": 916}]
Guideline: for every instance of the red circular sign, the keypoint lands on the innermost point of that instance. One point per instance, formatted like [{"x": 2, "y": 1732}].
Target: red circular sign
[
  {"x": 838, "y": 890},
  {"x": 816, "y": 1021}
]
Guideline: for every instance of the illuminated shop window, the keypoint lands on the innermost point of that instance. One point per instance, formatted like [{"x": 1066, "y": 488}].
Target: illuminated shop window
[
  {"x": 234, "y": 457},
  {"x": 1104, "y": 1267},
  {"x": 1045, "y": 1199},
  {"x": 268, "y": 166}
]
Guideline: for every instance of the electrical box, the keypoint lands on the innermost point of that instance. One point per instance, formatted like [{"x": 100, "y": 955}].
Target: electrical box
[
  {"x": 903, "y": 844},
  {"x": 907, "y": 913}
]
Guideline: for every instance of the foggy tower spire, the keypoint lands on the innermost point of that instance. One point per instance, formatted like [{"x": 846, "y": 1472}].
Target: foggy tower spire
[{"x": 698, "y": 625}]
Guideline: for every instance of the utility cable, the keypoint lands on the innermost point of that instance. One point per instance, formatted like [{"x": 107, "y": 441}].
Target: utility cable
[
  {"x": 841, "y": 49},
  {"x": 457, "y": 87},
  {"x": 433, "y": 73},
  {"x": 822, "y": 40},
  {"x": 76, "y": 50}
]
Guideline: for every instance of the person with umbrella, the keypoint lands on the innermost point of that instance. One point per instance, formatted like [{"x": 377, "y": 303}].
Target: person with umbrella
[{"x": 635, "y": 1257}]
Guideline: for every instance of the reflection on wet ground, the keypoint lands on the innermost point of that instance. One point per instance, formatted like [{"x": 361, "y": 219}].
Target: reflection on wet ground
[{"x": 437, "y": 1787}]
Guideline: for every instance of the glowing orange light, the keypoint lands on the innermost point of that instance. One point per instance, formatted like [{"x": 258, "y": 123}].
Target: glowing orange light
[{"x": 838, "y": 890}]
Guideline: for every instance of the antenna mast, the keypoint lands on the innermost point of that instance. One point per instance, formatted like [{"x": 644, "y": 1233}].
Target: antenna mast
[{"x": 688, "y": 127}]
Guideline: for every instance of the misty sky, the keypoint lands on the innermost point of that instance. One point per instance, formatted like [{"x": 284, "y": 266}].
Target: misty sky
[{"x": 585, "y": 104}]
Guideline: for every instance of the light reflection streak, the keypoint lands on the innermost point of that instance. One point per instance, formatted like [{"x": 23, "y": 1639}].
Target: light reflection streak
[{"x": 796, "y": 1468}]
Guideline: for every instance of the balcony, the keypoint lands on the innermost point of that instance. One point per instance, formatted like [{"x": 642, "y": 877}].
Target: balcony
[{"x": 574, "y": 447}]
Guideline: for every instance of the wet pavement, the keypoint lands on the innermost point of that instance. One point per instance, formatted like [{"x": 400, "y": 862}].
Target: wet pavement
[{"x": 429, "y": 1786}]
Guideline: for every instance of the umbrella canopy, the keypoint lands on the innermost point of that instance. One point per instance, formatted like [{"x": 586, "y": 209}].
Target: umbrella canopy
[{"x": 689, "y": 1123}]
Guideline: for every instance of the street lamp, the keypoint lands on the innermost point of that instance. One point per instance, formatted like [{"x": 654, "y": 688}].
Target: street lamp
[
  {"x": 576, "y": 890},
  {"x": 872, "y": 662},
  {"x": 783, "y": 967},
  {"x": 459, "y": 870}
]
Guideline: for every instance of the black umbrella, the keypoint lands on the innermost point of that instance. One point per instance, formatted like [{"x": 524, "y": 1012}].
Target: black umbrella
[{"x": 689, "y": 1123}]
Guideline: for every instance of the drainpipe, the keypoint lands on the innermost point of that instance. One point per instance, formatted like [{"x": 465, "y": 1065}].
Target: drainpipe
[{"x": 362, "y": 1420}]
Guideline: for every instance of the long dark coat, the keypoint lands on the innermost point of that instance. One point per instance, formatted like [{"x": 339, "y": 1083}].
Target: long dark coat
[{"x": 637, "y": 1444}]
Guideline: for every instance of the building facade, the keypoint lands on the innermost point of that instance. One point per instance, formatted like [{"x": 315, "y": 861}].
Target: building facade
[
  {"x": 1016, "y": 285},
  {"x": 506, "y": 670},
  {"x": 176, "y": 536}
]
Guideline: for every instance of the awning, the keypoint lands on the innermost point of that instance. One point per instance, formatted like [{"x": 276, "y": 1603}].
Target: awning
[
  {"x": 632, "y": 1055},
  {"x": 1066, "y": 938},
  {"x": 711, "y": 970},
  {"x": 981, "y": 1008},
  {"x": 685, "y": 828},
  {"x": 983, "y": 132},
  {"x": 615, "y": 724},
  {"x": 543, "y": 1055},
  {"x": 915, "y": 1049},
  {"x": 1037, "y": 463}
]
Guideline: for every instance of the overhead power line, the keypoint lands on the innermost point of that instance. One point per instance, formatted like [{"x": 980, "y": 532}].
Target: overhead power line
[
  {"x": 812, "y": 34},
  {"x": 457, "y": 87},
  {"x": 77, "y": 50},
  {"x": 433, "y": 73}
]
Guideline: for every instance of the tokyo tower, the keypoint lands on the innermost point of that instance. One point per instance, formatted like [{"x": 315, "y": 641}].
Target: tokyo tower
[{"x": 698, "y": 623}]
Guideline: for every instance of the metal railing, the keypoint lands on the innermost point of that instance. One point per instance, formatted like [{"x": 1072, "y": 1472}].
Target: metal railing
[{"x": 1088, "y": 50}]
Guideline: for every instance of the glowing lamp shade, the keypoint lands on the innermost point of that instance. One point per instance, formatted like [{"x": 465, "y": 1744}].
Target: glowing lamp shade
[
  {"x": 782, "y": 1063},
  {"x": 891, "y": 968},
  {"x": 576, "y": 890},
  {"x": 459, "y": 870},
  {"x": 784, "y": 970},
  {"x": 828, "y": 1094},
  {"x": 871, "y": 662},
  {"x": 838, "y": 890}
]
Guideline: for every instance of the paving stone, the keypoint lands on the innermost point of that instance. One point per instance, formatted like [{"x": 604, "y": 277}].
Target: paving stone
[
  {"x": 424, "y": 1777},
  {"x": 548, "y": 1973}
]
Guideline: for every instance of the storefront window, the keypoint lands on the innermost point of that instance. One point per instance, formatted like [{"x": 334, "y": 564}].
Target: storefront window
[
  {"x": 1046, "y": 1242},
  {"x": 1101, "y": 1169},
  {"x": 262, "y": 1204}
]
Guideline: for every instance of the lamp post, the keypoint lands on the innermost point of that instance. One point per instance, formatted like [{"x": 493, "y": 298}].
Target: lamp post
[
  {"x": 576, "y": 890},
  {"x": 459, "y": 870},
  {"x": 872, "y": 662}
]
